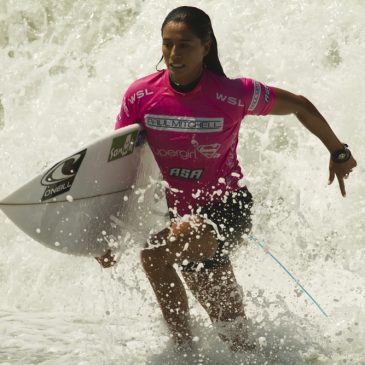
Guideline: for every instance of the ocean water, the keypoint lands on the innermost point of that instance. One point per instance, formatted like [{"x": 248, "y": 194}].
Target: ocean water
[{"x": 64, "y": 66}]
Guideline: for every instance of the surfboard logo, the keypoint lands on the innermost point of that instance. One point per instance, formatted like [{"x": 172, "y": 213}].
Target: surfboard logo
[
  {"x": 60, "y": 177},
  {"x": 122, "y": 146}
]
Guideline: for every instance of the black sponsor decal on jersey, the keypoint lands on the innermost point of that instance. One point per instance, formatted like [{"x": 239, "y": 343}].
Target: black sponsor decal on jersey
[
  {"x": 187, "y": 174},
  {"x": 59, "y": 178}
]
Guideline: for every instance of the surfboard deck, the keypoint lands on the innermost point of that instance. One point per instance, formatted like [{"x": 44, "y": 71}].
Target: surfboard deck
[{"x": 69, "y": 206}]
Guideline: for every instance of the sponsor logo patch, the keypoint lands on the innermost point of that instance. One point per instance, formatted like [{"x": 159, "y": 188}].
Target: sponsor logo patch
[
  {"x": 125, "y": 108},
  {"x": 267, "y": 94},
  {"x": 139, "y": 95},
  {"x": 182, "y": 154},
  {"x": 60, "y": 177},
  {"x": 207, "y": 150},
  {"x": 229, "y": 99},
  {"x": 184, "y": 124},
  {"x": 122, "y": 146},
  {"x": 256, "y": 96},
  {"x": 187, "y": 174}
]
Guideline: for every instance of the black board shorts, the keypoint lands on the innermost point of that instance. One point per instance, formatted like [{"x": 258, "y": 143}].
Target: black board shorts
[{"x": 232, "y": 217}]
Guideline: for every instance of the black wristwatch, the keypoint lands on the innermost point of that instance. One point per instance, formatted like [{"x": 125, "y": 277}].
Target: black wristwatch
[{"x": 341, "y": 155}]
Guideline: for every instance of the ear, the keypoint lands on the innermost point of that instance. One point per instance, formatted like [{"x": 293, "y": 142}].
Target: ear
[{"x": 207, "y": 46}]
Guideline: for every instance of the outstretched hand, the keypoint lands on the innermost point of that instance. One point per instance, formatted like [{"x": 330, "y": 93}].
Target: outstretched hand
[
  {"x": 107, "y": 260},
  {"x": 341, "y": 171}
]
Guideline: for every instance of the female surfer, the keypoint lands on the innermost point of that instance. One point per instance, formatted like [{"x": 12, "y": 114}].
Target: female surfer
[{"x": 191, "y": 113}]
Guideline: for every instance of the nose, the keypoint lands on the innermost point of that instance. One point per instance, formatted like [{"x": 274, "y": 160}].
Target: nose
[{"x": 175, "y": 53}]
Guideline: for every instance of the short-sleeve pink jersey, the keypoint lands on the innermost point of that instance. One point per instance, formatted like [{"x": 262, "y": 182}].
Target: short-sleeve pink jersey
[{"x": 194, "y": 135}]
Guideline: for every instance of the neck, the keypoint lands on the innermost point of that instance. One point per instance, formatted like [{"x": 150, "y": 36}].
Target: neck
[{"x": 183, "y": 88}]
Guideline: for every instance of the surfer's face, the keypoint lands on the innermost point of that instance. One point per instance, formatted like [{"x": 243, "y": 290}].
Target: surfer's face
[{"x": 183, "y": 52}]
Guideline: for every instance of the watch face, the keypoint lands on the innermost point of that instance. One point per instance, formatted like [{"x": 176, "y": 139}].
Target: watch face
[{"x": 341, "y": 156}]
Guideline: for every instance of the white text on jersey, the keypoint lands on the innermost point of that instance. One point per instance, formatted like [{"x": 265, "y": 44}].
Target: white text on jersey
[
  {"x": 229, "y": 99},
  {"x": 139, "y": 95}
]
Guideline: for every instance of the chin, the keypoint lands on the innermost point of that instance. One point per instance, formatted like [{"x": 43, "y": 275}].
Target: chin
[{"x": 178, "y": 77}]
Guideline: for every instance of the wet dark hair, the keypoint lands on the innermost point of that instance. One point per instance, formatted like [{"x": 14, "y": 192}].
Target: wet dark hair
[{"x": 200, "y": 24}]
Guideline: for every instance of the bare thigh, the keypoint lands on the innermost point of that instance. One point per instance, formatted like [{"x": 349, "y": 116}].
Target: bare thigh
[
  {"x": 189, "y": 241},
  {"x": 218, "y": 292}
]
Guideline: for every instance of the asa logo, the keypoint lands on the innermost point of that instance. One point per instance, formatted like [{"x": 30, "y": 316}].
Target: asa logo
[
  {"x": 59, "y": 178},
  {"x": 122, "y": 146},
  {"x": 187, "y": 174}
]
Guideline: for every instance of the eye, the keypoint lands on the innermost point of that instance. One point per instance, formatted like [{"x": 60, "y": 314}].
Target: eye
[{"x": 167, "y": 44}]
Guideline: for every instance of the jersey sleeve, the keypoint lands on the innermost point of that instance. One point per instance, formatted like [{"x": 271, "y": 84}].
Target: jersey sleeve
[
  {"x": 128, "y": 113},
  {"x": 259, "y": 98}
]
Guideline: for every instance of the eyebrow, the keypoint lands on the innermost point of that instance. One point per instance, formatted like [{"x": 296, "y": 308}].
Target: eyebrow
[{"x": 180, "y": 40}]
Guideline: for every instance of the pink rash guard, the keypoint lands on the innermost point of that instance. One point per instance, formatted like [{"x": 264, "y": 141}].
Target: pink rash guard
[{"x": 194, "y": 135}]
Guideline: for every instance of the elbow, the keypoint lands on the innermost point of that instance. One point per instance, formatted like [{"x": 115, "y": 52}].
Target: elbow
[
  {"x": 303, "y": 106},
  {"x": 289, "y": 103},
  {"x": 304, "y": 101}
]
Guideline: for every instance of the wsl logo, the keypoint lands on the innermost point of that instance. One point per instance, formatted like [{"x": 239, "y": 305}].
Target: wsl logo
[{"x": 59, "y": 178}]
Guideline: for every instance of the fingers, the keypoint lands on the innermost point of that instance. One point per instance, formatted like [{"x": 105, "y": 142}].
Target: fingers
[
  {"x": 342, "y": 185},
  {"x": 331, "y": 176},
  {"x": 341, "y": 171}
]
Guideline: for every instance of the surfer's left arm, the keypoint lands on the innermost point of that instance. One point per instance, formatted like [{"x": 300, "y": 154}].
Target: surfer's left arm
[{"x": 289, "y": 103}]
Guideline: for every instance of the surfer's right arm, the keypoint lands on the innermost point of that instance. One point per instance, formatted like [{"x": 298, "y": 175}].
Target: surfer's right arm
[
  {"x": 126, "y": 115},
  {"x": 129, "y": 112}
]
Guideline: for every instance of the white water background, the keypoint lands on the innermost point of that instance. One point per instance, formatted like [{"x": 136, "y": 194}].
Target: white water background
[{"x": 64, "y": 66}]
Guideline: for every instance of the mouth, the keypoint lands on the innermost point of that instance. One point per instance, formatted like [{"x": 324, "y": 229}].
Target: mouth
[{"x": 176, "y": 66}]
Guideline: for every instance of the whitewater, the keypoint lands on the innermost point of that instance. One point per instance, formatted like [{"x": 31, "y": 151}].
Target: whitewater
[{"x": 64, "y": 66}]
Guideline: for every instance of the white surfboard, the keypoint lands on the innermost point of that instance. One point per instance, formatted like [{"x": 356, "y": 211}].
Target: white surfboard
[{"x": 68, "y": 207}]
